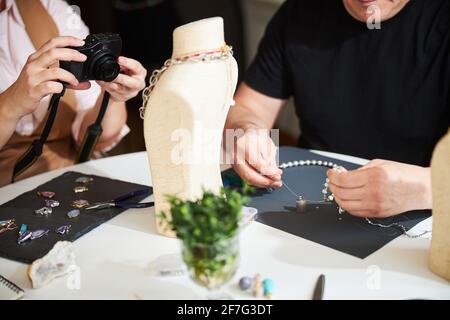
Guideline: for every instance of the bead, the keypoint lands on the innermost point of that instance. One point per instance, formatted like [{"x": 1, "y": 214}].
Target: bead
[
  {"x": 327, "y": 180},
  {"x": 245, "y": 283},
  {"x": 325, "y": 163},
  {"x": 63, "y": 230},
  {"x": 72, "y": 214},
  {"x": 80, "y": 204},
  {"x": 302, "y": 163},
  {"x": 314, "y": 162},
  {"x": 46, "y": 194},
  {"x": 335, "y": 166},
  {"x": 23, "y": 229},
  {"x": 341, "y": 211},
  {"x": 24, "y": 237},
  {"x": 52, "y": 203},
  {"x": 84, "y": 180},
  {"x": 269, "y": 287},
  {"x": 80, "y": 189},
  {"x": 296, "y": 163},
  {"x": 283, "y": 166},
  {"x": 308, "y": 162},
  {"x": 290, "y": 164},
  {"x": 331, "y": 198},
  {"x": 325, "y": 191},
  {"x": 45, "y": 211},
  {"x": 319, "y": 162},
  {"x": 39, "y": 234}
]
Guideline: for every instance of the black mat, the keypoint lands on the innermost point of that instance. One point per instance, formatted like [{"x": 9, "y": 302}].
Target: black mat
[
  {"x": 323, "y": 225},
  {"x": 22, "y": 209}
]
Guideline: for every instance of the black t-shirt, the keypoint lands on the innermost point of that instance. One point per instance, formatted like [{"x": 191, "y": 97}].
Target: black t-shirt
[{"x": 368, "y": 93}]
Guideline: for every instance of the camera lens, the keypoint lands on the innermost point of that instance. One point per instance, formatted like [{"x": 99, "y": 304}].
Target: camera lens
[{"x": 106, "y": 69}]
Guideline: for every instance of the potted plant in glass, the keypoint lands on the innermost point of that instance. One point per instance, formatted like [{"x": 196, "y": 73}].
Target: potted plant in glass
[{"x": 209, "y": 231}]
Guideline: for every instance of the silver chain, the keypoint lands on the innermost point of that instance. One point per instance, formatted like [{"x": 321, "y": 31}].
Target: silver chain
[
  {"x": 217, "y": 55},
  {"x": 328, "y": 196}
]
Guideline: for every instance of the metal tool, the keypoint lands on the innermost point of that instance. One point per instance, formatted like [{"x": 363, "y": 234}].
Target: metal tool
[{"x": 120, "y": 202}]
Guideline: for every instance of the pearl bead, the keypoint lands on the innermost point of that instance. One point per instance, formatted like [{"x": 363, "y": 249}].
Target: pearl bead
[
  {"x": 308, "y": 162},
  {"x": 314, "y": 162},
  {"x": 302, "y": 163},
  {"x": 319, "y": 162},
  {"x": 331, "y": 198},
  {"x": 290, "y": 164},
  {"x": 296, "y": 163},
  {"x": 245, "y": 283}
]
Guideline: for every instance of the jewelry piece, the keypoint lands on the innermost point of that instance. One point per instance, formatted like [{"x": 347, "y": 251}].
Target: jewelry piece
[
  {"x": 38, "y": 234},
  {"x": 46, "y": 194},
  {"x": 80, "y": 189},
  {"x": 45, "y": 211},
  {"x": 52, "y": 203},
  {"x": 80, "y": 204},
  {"x": 84, "y": 180},
  {"x": 26, "y": 236},
  {"x": 245, "y": 283},
  {"x": 328, "y": 196},
  {"x": 72, "y": 214},
  {"x": 23, "y": 229},
  {"x": 268, "y": 287},
  {"x": 208, "y": 56},
  {"x": 326, "y": 193},
  {"x": 399, "y": 226},
  {"x": 7, "y": 225},
  {"x": 63, "y": 230}
]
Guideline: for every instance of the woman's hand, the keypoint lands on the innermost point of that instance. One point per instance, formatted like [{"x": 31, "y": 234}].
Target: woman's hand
[
  {"x": 130, "y": 81},
  {"x": 382, "y": 189},
  {"x": 254, "y": 159},
  {"x": 40, "y": 75}
]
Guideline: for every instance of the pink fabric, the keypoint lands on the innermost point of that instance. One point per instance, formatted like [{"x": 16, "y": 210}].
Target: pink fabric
[{"x": 15, "y": 47}]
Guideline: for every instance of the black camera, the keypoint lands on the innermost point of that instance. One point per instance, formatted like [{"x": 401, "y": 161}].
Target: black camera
[{"x": 102, "y": 51}]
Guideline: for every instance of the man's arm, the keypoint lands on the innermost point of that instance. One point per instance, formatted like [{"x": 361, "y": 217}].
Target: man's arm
[{"x": 254, "y": 152}]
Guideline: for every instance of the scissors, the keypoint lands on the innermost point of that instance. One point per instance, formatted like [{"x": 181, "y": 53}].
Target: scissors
[
  {"x": 7, "y": 225},
  {"x": 120, "y": 202}
]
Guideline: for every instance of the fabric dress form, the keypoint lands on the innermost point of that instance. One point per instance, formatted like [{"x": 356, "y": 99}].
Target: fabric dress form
[
  {"x": 185, "y": 117},
  {"x": 439, "y": 259}
]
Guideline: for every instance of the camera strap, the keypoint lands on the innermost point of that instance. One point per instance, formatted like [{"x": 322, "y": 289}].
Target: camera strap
[
  {"x": 93, "y": 132},
  {"x": 87, "y": 148},
  {"x": 35, "y": 150}
]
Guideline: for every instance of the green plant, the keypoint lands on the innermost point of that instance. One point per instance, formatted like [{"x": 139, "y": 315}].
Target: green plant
[
  {"x": 208, "y": 228},
  {"x": 212, "y": 218}
]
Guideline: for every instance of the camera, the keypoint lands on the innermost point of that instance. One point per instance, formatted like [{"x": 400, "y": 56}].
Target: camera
[{"x": 102, "y": 51}]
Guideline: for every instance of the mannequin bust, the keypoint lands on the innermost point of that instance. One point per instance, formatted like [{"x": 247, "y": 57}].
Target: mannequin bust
[
  {"x": 439, "y": 260},
  {"x": 185, "y": 117}
]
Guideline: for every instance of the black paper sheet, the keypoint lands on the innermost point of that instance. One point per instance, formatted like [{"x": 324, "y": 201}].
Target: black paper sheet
[
  {"x": 323, "y": 225},
  {"x": 22, "y": 209}
]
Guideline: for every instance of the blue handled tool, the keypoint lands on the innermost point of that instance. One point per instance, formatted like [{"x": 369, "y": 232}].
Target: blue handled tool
[{"x": 120, "y": 202}]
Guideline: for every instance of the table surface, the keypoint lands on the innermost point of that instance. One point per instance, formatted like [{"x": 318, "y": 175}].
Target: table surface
[{"x": 115, "y": 259}]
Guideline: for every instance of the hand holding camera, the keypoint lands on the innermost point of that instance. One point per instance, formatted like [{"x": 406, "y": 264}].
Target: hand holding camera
[
  {"x": 41, "y": 75},
  {"x": 104, "y": 65}
]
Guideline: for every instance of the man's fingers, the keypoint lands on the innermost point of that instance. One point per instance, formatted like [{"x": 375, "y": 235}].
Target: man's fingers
[
  {"x": 254, "y": 178},
  {"x": 58, "y": 42},
  {"x": 348, "y": 179},
  {"x": 347, "y": 193}
]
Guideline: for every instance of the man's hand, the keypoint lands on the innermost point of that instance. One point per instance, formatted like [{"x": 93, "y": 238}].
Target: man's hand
[
  {"x": 254, "y": 159},
  {"x": 41, "y": 76},
  {"x": 382, "y": 189},
  {"x": 128, "y": 84}
]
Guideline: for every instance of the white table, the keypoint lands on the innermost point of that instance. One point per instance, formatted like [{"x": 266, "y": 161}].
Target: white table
[{"x": 114, "y": 258}]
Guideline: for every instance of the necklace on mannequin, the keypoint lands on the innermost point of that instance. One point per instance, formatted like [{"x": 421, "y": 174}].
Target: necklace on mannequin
[
  {"x": 328, "y": 196},
  {"x": 204, "y": 56}
]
